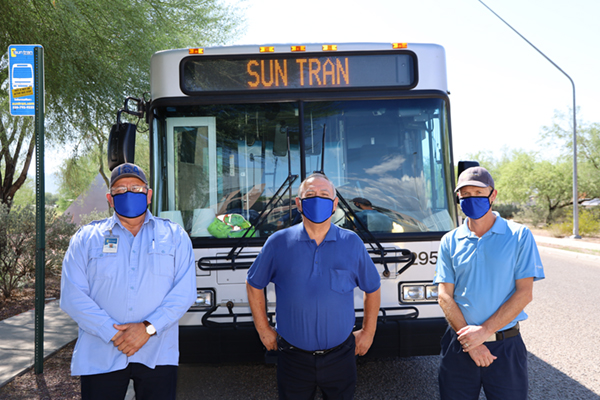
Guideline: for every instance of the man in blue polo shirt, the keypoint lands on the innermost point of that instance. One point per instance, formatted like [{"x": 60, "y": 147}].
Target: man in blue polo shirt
[
  {"x": 315, "y": 267},
  {"x": 485, "y": 271}
]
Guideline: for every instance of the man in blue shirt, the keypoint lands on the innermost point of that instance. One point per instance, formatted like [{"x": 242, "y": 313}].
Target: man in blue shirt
[
  {"x": 485, "y": 271},
  {"x": 126, "y": 281},
  {"x": 315, "y": 267}
]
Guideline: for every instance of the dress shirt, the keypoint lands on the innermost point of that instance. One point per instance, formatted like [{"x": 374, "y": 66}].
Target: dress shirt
[{"x": 151, "y": 277}]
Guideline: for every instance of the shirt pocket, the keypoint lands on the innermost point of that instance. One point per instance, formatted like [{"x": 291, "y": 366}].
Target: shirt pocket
[
  {"x": 162, "y": 257},
  {"x": 342, "y": 281},
  {"x": 102, "y": 265}
]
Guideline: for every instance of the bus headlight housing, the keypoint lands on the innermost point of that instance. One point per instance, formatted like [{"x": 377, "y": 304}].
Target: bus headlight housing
[
  {"x": 417, "y": 292},
  {"x": 204, "y": 299}
]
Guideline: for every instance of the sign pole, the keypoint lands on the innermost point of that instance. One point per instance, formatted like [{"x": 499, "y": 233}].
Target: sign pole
[{"x": 40, "y": 259}]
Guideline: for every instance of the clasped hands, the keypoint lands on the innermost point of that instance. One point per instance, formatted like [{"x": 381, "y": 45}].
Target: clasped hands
[
  {"x": 130, "y": 338},
  {"x": 471, "y": 339}
]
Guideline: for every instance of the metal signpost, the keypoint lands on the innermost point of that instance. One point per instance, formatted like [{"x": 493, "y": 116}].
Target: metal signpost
[{"x": 26, "y": 71}]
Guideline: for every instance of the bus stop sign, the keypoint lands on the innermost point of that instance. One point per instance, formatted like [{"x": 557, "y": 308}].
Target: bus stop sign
[{"x": 22, "y": 86}]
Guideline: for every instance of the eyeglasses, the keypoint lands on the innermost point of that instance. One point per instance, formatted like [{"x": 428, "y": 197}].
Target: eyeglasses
[{"x": 124, "y": 189}]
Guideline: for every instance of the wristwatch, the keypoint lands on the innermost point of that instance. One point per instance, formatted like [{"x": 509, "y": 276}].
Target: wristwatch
[{"x": 150, "y": 329}]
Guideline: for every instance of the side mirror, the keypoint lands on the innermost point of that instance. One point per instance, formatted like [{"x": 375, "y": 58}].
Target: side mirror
[
  {"x": 462, "y": 165},
  {"x": 121, "y": 141},
  {"x": 121, "y": 145}
]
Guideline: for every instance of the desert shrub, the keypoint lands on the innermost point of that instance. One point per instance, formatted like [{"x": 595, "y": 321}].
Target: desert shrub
[
  {"x": 507, "y": 210},
  {"x": 589, "y": 224},
  {"x": 18, "y": 245},
  {"x": 532, "y": 214}
]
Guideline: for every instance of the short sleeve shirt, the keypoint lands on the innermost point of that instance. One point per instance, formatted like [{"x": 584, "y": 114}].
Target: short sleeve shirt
[
  {"x": 484, "y": 270},
  {"x": 314, "y": 284}
]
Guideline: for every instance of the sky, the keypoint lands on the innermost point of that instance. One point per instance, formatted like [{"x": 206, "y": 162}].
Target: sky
[{"x": 503, "y": 92}]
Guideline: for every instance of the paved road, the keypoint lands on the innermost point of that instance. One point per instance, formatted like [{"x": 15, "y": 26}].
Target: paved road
[{"x": 562, "y": 336}]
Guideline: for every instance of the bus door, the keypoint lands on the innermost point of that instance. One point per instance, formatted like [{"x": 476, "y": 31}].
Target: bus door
[{"x": 192, "y": 172}]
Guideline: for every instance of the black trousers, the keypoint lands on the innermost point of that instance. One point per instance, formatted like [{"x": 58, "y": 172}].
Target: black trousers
[
  {"x": 299, "y": 374},
  {"x": 159, "y": 383}
]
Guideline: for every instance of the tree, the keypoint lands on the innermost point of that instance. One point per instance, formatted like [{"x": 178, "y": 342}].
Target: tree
[
  {"x": 26, "y": 195},
  {"x": 588, "y": 151},
  {"x": 541, "y": 185},
  {"x": 95, "y": 52}
]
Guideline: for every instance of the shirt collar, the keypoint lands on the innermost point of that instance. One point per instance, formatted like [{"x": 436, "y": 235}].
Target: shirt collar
[
  {"x": 330, "y": 237},
  {"x": 114, "y": 220},
  {"x": 499, "y": 227}
]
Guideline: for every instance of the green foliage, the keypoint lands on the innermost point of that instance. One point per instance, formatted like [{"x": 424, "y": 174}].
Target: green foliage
[
  {"x": 588, "y": 150},
  {"x": 18, "y": 245},
  {"x": 94, "y": 216},
  {"x": 74, "y": 177},
  {"x": 25, "y": 195},
  {"x": 507, "y": 210},
  {"x": 541, "y": 187},
  {"x": 51, "y": 199},
  {"x": 95, "y": 53},
  {"x": 589, "y": 223}
]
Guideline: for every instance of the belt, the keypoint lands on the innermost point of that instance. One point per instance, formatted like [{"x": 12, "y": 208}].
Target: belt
[
  {"x": 311, "y": 352},
  {"x": 501, "y": 335}
]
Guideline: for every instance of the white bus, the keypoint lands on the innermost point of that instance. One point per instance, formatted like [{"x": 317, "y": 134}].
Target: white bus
[
  {"x": 233, "y": 132},
  {"x": 22, "y": 76}
]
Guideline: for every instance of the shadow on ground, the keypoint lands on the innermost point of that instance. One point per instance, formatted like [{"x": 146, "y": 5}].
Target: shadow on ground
[{"x": 393, "y": 378}]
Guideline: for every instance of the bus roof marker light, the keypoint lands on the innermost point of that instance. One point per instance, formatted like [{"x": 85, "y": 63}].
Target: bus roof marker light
[
  {"x": 298, "y": 48},
  {"x": 330, "y": 47},
  {"x": 399, "y": 45},
  {"x": 196, "y": 51},
  {"x": 267, "y": 49}
]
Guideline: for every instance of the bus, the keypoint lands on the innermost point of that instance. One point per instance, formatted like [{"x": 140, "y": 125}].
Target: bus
[{"x": 235, "y": 129}]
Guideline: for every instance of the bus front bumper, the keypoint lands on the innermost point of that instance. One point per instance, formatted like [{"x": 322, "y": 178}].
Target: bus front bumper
[{"x": 395, "y": 337}]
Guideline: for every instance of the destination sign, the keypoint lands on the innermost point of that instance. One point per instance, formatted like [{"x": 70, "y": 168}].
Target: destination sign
[{"x": 303, "y": 71}]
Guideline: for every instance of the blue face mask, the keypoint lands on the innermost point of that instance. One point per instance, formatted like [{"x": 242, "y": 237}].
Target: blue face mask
[
  {"x": 317, "y": 209},
  {"x": 475, "y": 207},
  {"x": 130, "y": 205}
]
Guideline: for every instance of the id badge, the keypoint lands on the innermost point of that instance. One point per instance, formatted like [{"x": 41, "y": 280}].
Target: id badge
[{"x": 111, "y": 244}]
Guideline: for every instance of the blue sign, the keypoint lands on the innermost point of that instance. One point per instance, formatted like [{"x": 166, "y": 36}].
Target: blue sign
[{"x": 22, "y": 88}]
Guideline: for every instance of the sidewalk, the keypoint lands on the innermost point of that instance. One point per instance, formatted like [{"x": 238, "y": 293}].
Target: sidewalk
[
  {"x": 17, "y": 339},
  {"x": 571, "y": 245}
]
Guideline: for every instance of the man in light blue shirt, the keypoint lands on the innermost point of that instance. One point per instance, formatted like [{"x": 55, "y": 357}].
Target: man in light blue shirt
[
  {"x": 485, "y": 271},
  {"x": 126, "y": 281}
]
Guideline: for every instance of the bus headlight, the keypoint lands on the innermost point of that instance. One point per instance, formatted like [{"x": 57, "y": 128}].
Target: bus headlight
[
  {"x": 418, "y": 292},
  {"x": 431, "y": 292},
  {"x": 204, "y": 299}
]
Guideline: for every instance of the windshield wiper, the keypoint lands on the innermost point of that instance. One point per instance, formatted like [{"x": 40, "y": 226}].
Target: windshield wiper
[
  {"x": 229, "y": 261},
  {"x": 406, "y": 256}
]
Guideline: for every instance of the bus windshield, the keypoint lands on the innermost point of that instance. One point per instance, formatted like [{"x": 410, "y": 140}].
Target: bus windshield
[{"x": 222, "y": 164}]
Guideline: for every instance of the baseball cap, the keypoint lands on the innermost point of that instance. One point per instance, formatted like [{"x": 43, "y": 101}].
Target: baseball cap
[
  {"x": 474, "y": 176},
  {"x": 125, "y": 170}
]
